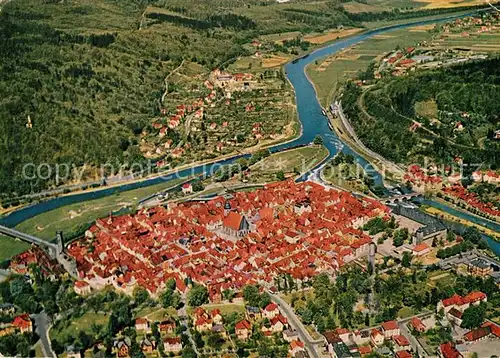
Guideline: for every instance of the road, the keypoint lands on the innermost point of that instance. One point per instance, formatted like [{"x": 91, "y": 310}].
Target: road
[
  {"x": 415, "y": 344},
  {"x": 42, "y": 323},
  {"x": 393, "y": 167},
  {"x": 183, "y": 316},
  {"x": 313, "y": 346}
]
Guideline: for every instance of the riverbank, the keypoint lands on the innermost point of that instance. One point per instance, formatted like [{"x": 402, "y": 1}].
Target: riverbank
[
  {"x": 448, "y": 217},
  {"x": 313, "y": 123}
]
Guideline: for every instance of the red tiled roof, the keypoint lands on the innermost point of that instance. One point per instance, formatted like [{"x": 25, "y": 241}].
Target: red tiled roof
[
  {"x": 401, "y": 340},
  {"x": 244, "y": 324},
  {"x": 448, "y": 350},
  {"x": 421, "y": 247},
  {"x": 233, "y": 221},
  {"x": 403, "y": 354},
  {"x": 389, "y": 325}
]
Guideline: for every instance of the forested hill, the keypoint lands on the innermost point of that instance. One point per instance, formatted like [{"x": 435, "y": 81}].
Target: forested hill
[
  {"x": 90, "y": 81},
  {"x": 439, "y": 114}
]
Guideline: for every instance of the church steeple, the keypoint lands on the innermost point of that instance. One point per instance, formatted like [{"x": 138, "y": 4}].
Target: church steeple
[{"x": 227, "y": 208}]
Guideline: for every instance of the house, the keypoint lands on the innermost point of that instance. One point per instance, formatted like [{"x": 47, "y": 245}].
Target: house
[
  {"x": 253, "y": 313},
  {"x": 219, "y": 329},
  {"x": 365, "y": 350},
  {"x": 340, "y": 350},
  {"x": 278, "y": 323},
  {"x": 243, "y": 329},
  {"x": 404, "y": 354},
  {"x": 172, "y": 345},
  {"x": 23, "y": 323},
  {"x": 142, "y": 324},
  {"x": 401, "y": 343},
  {"x": 390, "y": 328},
  {"x": 376, "y": 337},
  {"x": 478, "y": 334},
  {"x": 122, "y": 347},
  {"x": 454, "y": 316},
  {"x": 148, "y": 345},
  {"x": 421, "y": 249},
  {"x": 7, "y": 309},
  {"x": 296, "y": 346},
  {"x": 290, "y": 335},
  {"x": 71, "y": 352},
  {"x": 216, "y": 316},
  {"x": 187, "y": 188},
  {"x": 417, "y": 324},
  {"x": 167, "y": 326},
  {"x": 461, "y": 303},
  {"x": 82, "y": 288},
  {"x": 448, "y": 350},
  {"x": 271, "y": 311},
  {"x": 203, "y": 324},
  {"x": 235, "y": 225},
  {"x": 480, "y": 267}
]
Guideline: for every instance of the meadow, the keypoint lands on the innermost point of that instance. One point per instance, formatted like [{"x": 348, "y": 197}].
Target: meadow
[{"x": 328, "y": 74}]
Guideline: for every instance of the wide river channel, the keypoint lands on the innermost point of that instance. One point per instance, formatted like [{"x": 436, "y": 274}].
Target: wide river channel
[{"x": 313, "y": 123}]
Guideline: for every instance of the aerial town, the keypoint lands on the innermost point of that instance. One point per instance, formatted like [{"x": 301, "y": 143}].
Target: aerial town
[{"x": 257, "y": 178}]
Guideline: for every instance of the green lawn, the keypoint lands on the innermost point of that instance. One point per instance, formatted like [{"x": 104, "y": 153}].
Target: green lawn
[
  {"x": 82, "y": 323},
  {"x": 405, "y": 312},
  {"x": 157, "y": 313},
  {"x": 69, "y": 218},
  {"x": 224, "y": 308},
  {"x": 348, "y": 176},
  {"x": 301, "y": 160}
]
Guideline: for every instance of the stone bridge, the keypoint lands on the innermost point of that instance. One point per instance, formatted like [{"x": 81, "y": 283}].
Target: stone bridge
[
  {"x": 55, "y": 250},
  {"x": 400, "y": 198}
]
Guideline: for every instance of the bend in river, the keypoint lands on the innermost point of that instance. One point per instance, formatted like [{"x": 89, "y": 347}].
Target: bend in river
[{"x": 310, "y": 115}]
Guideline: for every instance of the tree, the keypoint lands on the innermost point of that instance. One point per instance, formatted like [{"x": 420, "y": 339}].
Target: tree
[
  {"x": 197, "y": 296},
  {"x": 407, "y": 257},
  {"x": 140, "y": 295},
  {"x": 251, "y": 295},
  {"x": 318, "y": 140},
  {"x": 473, "y": 316},
  {"x": 215, "y": 340},
  {"x": 188, "y": 352}
]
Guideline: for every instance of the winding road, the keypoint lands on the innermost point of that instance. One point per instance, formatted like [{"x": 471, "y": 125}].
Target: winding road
[{"x": 42, "y": 324}]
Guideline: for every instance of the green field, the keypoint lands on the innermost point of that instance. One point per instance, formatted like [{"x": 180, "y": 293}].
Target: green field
[
  {"x": 329, "y": 73},
  {"x": 224, "y": 308},
  {"x": 83, "y": 323},
  {"x": 296, "y": 160},
  {"x": 71, "y": 217},
  {"x": 156, "y": 314},
  {"x": 347, "y": 176}
]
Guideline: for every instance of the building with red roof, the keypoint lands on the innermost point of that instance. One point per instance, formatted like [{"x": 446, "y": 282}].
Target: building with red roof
[
  {"x": 243, "y": 329},
  {"x": 23, "y": 323},
  {"x": 390, "y": 328},
  {"x": 448, "y": 350}
]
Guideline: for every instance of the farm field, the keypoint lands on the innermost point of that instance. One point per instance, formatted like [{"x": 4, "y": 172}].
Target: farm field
[
  {"x": 355, "y": 7},
  {"x": 329, "y": 73},
  {"x": 328, "y": 36},
  {"x": 73, "y": 217}
]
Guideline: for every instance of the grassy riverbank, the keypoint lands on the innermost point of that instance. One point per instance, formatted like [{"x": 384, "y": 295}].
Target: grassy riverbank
[{"x": 434, "y": 211}]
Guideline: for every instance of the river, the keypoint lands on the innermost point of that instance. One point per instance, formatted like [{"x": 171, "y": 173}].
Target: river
[{"x": 310, "y": 115}]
